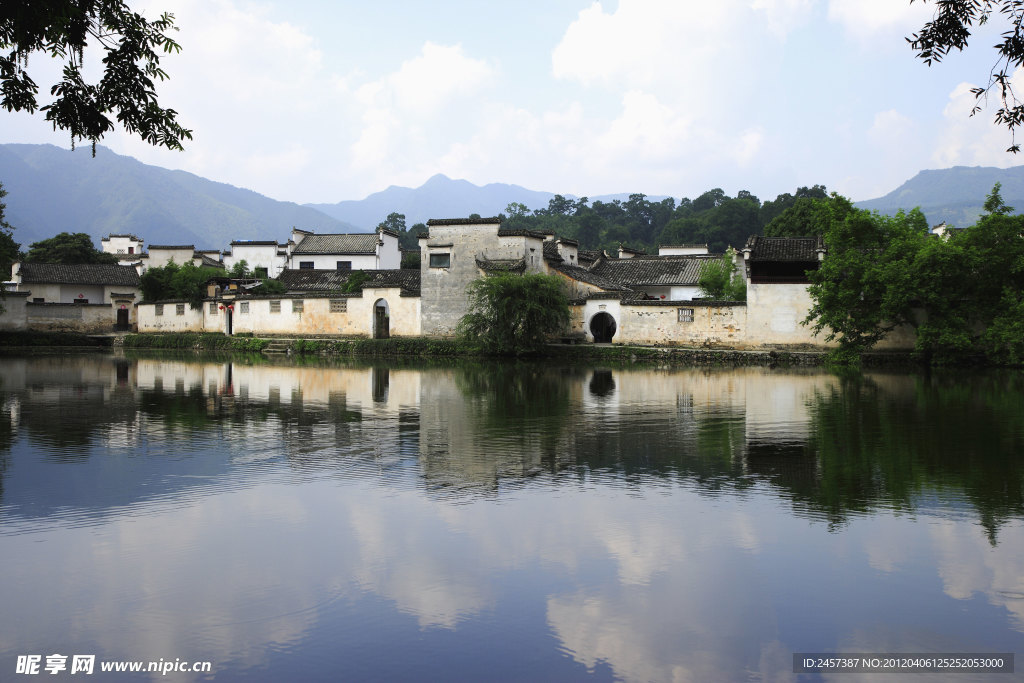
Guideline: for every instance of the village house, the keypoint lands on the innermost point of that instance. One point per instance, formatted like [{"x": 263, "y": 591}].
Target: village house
[
  {"x": 159, "y": 256},
  {"x": 128, "y": 248},
  {"x": 628, "y": 297},
  {"x": 266, "y": 258},
  {"x": 353, "y": 251},
  {"x": 81, "y": 298}
]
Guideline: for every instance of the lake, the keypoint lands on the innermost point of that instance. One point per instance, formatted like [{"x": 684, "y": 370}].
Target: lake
[{"x": 309, "y": 519}]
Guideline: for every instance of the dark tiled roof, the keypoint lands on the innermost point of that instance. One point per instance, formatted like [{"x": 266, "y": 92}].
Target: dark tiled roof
[
  {"x": 551, "y": 251},
  {"x": 253, "y": 243},
  {"x": 309, "y": 280},
  {"x": 176, "y": 247},
  {"x": 521, "y": 232},
  {"x": 359, "y": 243},
  {"x": 210, "y": 262},
  {"x": 800, "y": 249},
  {"x": 591, "y": 278},
  {"x": 463, "y": 221},
  {"x": 82, "y": 274},
  {"x": 406, "y": 278},
  {"x": 652, "y": 271},
  {"x": 684, "y": 246},
  {"x": 501, "y": 265}
]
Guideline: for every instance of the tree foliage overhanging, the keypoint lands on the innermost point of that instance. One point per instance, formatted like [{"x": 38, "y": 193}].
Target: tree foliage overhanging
[
  {"x": 514, "y": 315},
  {"x": 67, "y": 30},
  {"x": 950, "y": 29},
  {"x": 961, "y": 296},
  {"x": 8, "y": 247}
]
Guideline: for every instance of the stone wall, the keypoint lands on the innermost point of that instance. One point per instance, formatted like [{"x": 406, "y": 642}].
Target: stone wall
[
  {"x": 169, "y": 316},
  {"x": 14, "y": 315},
  {"x": 54, "y": 317},
  {"x": 443, "y": 297}
]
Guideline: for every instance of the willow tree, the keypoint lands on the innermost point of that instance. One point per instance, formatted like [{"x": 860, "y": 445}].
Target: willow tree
[{"x": 514, "y": 315}]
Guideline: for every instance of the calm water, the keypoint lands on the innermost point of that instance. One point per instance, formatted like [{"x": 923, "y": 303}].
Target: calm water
[{"x": 477, "y": 522}]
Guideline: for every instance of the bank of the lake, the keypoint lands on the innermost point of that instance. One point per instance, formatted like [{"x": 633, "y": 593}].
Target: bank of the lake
[{"x": 425, "y": 347}]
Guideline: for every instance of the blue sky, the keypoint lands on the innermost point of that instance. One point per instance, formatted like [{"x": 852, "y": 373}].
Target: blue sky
[{"x": 318, "y": 101}]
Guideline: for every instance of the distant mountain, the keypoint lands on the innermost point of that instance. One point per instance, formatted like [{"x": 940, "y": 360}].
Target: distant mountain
[
  {"x": 442, "y": 197},
  {"x": 52, "y": 190},
  {"x": 953, "y": 195}
]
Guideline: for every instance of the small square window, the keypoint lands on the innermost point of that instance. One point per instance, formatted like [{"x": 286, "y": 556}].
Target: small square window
[
  {"x": 306, "y": 265},
  {"x": 339, "y": 305},
  {"x": 297, "y": 305},
  {"x": 179, "y": 309},
  {"x": 686, "y": 315},
  {"x": 275, "y": 306},
  {"x": 441, "y": 260},
  {"x": 38, "y": 300},
  {"x": 260, "y": 271},
  {"x": 344, "y": 265},
  {"x": 213, "y": 308},
  {"x": 81, "y": 301},
  {"x": 243, "y": 307},
  {"x": 159, "y": 309}
]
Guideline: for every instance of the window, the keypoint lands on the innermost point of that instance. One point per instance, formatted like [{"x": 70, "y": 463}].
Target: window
[
  {"x": 213, "y": 308},
  {"x": 306, "y": 265},
  {"x": 38, "y": 300},
  {"x": 297, "y": 305},
  {"x": 275, "y": 306},
  {"x": 344, "y": 265},
  {"x": 260, "y": 271},
  {"x": 339, "y": 305},
  {"x": 243, "y": 307},
  {"x": 131, "y": 250},
  {"x": 686, "y": 315},
  {"x": 159, "y": 309},
  {"x": 81, "y": 301},
  {"x": 179, "y": 309},
  {"x": 441, "y": 260}
]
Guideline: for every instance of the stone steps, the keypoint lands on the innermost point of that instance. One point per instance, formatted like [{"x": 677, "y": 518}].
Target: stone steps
[{"x": 277, "y": 347}]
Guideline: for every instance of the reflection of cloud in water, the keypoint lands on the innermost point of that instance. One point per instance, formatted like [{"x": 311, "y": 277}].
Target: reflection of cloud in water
[
  {"x": 188, "y": 582},
  {"x": 406, "y": 553},
  {"x": 969, "y": 564}
]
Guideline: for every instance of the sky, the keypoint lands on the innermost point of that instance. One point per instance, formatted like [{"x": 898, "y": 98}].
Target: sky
[{"x": 324, "y": 101}]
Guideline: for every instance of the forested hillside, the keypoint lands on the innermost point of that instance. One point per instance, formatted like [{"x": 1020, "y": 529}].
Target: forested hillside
[{"x": 714, "y": 218}]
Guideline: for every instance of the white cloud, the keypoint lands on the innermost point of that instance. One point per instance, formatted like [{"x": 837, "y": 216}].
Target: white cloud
[
  {"x": 879, "y": 20},
  {"x": 973, "y": 140}
]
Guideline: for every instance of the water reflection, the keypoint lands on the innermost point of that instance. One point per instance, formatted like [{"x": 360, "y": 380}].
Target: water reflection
[{"x": 441, "y": 521}]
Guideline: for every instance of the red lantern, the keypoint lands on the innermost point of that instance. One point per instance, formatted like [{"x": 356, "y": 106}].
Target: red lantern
[{"x": 222, "y": 308}]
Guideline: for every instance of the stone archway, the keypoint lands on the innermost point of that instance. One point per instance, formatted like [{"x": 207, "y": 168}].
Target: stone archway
[
  {"x": 603, "y": 327},
  {"x": 381, "y": 320}
]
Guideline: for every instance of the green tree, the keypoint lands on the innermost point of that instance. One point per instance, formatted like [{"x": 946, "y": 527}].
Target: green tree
[
  {"x": 866, "y": 286},
  {"x": 809, "y": 216},
  {"x": 720, "y": 280},
  {"x": 69, "y": 248},
  {"x": 513, "y": 315},
  {"x": 132, "y": 48},
  {"x": 8, "y": 247},
  {"x": 187, "y": 282},
  {"x": 950, "y": 29}
]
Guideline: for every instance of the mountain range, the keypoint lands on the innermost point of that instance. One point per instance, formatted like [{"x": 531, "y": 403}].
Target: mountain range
[
  {"x": 52, "y": 190},
  {"x": 953, "y": 195}
]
